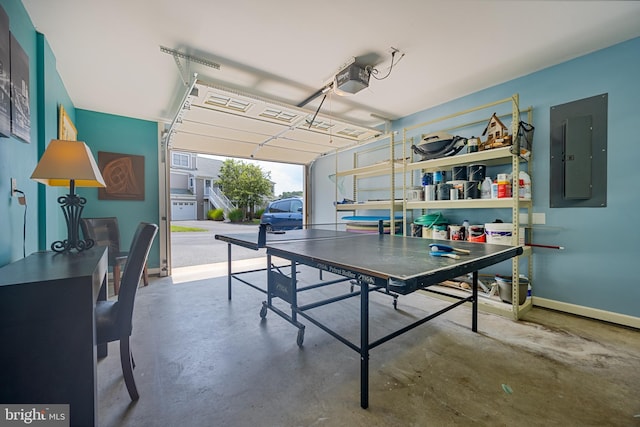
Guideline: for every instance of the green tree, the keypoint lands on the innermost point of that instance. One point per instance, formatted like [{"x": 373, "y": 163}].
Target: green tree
[
  {"x": 287, "y": 194},
  {"x": 245, "y": 184}
]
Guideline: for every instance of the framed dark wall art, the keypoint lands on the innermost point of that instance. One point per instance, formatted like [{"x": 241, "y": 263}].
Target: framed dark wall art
[
  {"x": 123, "y": 174},
  {"x": 20, "y": 100},
  {"x": 5, "y": 75}
]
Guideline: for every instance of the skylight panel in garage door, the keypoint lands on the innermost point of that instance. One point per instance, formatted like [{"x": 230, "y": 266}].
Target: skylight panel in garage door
[
  {"x": 281, "y": 115},
  {"x": 227, "y": 102}
]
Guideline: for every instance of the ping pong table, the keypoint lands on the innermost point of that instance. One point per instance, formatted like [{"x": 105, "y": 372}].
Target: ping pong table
[{"x": 395, "y": 265}]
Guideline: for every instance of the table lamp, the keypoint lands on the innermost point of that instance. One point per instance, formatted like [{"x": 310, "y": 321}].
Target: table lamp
[{"x": 69, "y": 163}]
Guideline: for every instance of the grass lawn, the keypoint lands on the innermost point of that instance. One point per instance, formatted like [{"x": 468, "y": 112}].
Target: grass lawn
[{"x": 180, "y": 228}]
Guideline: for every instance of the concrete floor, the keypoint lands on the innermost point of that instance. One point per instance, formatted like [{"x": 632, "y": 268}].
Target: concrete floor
[{"x": 205, "y": 361}]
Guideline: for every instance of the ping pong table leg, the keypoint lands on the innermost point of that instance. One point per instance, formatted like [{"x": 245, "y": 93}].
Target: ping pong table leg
[
  {"x": 269, "y": 279},
  {"x": 474, "y": 307},
  {"x": 294, "y": 293},
  {"x": 364, "y": 345},
  {"x": 229, "y": 270}
]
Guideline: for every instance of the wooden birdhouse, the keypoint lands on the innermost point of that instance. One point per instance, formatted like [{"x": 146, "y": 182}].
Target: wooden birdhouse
[{"x": 497, "y": 134}]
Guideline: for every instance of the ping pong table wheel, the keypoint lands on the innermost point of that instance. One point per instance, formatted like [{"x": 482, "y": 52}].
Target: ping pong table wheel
[
  {"x": 263, "y": 310},
  {"x": 300, "y": 338}
]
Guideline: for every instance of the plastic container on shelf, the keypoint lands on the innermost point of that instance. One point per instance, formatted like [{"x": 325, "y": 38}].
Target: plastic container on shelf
[
  {"x": 472, "y": 144},
  {"x": 499, "y": 232},
  {"x": 456, "y": 232},
  {"x": 428, "y": 222},
  {"x": 524, "y": 188},
  {"x": 439, "y": 177},
  {"x": 430, "y": 192},
  {"x": 476, "y": 172},
  {"x": 459, "y": 173},
  {"x": 443, "y": 191},
  {"x": 494, "y": 190},
  {"x": 476, "y": 233},
  {"x": 441, "y": 232},
  {"x": 471, "y": 190},
  {"x": 485, "y": 190},
  {"x": 504, "y": 186},
  {"x": 505, "y": 288}
]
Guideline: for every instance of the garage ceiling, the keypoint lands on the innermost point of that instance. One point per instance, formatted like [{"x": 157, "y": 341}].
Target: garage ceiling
[{"x": 277, "y": 54}]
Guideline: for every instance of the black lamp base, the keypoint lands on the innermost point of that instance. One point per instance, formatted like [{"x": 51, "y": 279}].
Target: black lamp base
[
  {"x": 67, "y": 245},
  {"x": 72, "y": 206}
]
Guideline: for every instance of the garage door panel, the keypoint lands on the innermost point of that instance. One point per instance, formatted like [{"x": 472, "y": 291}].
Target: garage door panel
[
  {"x": 225, "y": 122},
  {"x": 308, "y": 140},
  {"x": 213, "y": 145},
  {"x": 183, "y": 210},
  {"x": 221, "y": 132},
  {"x": 298, "y": 146},
  {"x": 274, "y": 151},
  {"x": 277, "y": 154},
  {"x": 228, "y": 120}
]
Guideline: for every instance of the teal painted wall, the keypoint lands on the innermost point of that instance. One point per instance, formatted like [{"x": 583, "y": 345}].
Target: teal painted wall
[
  {"x": 117, "y": 134},
  {"x": 51, "y": 95},
  {"x": 102, "y": 132},
  {"x": 18, "y": 158},
  {"x": 44, "y": 220}
]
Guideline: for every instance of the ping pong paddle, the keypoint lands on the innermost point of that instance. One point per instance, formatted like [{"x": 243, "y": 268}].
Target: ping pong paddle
[
  {"x": 444, "y": 254},
  {"x": 438, "y": 247}
]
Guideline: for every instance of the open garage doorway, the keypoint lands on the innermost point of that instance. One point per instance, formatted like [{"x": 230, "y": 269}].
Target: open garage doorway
[{"x": 195, "y": 194}]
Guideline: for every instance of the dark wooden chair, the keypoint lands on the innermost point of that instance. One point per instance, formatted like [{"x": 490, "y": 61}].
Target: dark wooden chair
[
  {"x": 105, "y": 232},
  {"x": 114, "y": 318}
]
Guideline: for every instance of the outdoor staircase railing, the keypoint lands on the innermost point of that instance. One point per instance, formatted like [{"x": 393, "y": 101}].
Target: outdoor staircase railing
[{"x": 220, "y": 201}]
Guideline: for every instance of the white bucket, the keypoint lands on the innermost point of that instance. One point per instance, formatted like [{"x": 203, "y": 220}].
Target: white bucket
[
  {"x": 499, "y": 232},
  {"x": 440, "y": 232},
  {"x": 456, "y": 232}
]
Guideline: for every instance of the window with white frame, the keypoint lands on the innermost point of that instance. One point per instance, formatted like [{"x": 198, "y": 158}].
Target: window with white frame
[
  {"x": 207, "y": 186},
  {"x": 180, "y": 160}
]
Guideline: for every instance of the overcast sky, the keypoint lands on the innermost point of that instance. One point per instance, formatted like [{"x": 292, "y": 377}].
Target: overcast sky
[{"x": 286, "y": 176}]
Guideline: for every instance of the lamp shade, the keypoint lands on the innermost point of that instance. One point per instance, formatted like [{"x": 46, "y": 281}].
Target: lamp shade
[{"x": 64, "y": 161}]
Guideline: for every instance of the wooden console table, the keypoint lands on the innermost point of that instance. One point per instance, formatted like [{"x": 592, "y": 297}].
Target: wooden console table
[{"x": 47, "y": 330}]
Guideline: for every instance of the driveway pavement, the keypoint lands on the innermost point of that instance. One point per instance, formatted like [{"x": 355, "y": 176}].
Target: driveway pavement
[{"x": 201, "y": 247}]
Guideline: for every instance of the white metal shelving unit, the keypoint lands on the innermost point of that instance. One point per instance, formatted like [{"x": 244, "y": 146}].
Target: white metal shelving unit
[
  {"x": 493, "y": 157},
  {"x": 383, "y": 168}
]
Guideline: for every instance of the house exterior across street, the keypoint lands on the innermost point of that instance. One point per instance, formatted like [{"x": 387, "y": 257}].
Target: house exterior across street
[
  {"x": 193, "y": 179},
  {"x": 193, "y": 187}
]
